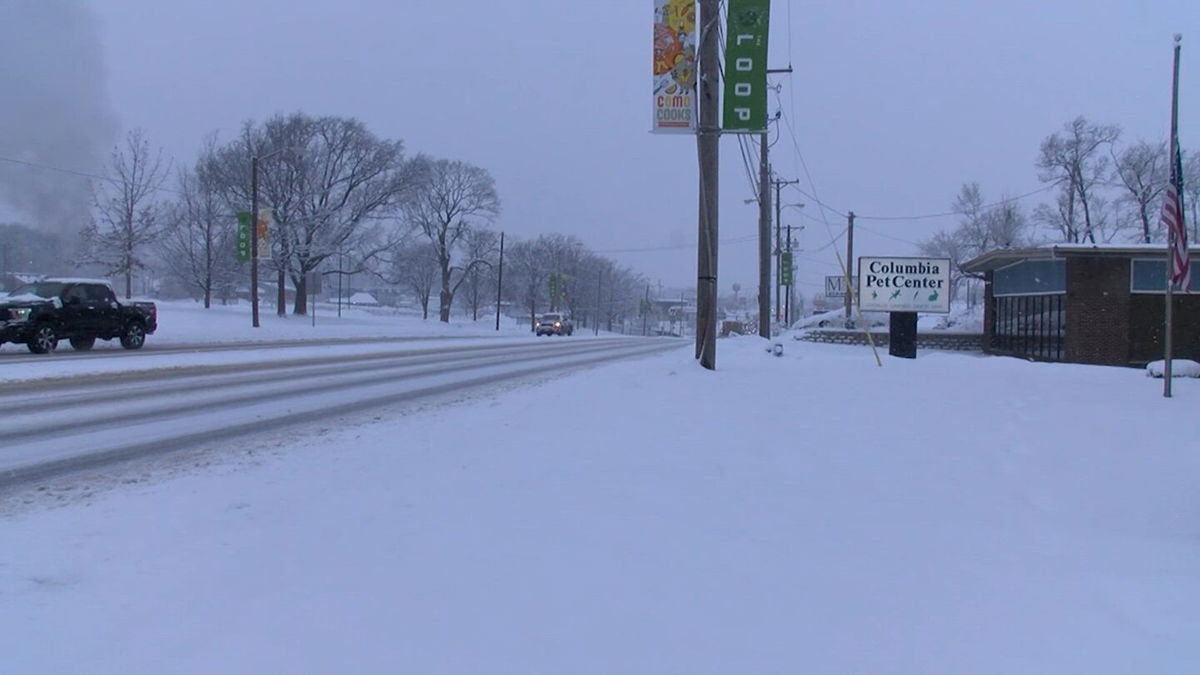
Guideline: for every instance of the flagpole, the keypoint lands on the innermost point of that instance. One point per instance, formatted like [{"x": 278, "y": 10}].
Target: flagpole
[{"x": 1172, "y": 155}]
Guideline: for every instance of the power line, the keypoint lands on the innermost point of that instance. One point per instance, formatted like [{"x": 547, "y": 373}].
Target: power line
[
  {"x": 945, "y": 214},
  {"x": 942, "y": 214},
  {"x": 80, "y": 174},
  {"x": 807, "y": 174},
  {"x": 886, "y": 236},
  {"x": 747, "y": 155},
  {"x": 675, "y": 247}
]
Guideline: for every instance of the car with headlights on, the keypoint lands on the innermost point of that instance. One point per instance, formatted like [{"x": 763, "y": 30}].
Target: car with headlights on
[{"x": 553, "y": 323}]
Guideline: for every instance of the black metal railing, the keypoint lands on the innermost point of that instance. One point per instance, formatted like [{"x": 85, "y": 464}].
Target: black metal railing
[{"x": 1030, "y": 325}]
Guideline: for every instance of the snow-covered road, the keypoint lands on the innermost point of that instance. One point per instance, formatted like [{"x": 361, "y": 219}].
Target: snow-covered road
[{"x": 57, "y": 425}]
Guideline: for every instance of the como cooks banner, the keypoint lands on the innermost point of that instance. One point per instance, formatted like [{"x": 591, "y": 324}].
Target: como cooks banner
[
  {"x": 746, "y": 66},
  {"x": 674, "y": 66}
]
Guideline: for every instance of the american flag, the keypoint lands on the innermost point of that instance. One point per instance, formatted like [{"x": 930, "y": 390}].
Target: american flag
[{"x": 1172, "y": 221}]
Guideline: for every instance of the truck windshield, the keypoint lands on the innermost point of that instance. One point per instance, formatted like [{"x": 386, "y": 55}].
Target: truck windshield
[{"x": 42, "y": 289}]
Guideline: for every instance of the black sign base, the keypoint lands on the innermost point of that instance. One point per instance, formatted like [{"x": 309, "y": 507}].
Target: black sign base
[{"x": 902, "y": 334}]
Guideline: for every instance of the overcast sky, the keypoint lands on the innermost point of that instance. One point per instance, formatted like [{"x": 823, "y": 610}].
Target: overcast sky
[{"x": 893, "y": 104}]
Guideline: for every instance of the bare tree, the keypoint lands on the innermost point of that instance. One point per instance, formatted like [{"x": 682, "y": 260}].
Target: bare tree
[
  {"x": 1007, "y": 224},
  {"x": 198, "y": 247},
  {"x": 482, "y": 245},
  {"x": 126, "y": 219},
  {"x": 1059, "y": 217},
  {"x": 948, "y": 245},
  {"x": 525, "y": 267},
  {"x": 1191, "y": 191},
  {"x": 332, "y": 187},
  {"x": 452, "y": 197},
  {"x": 982, "y": 228},
  {"x": 1076, "y": 161},
  {"x": 1142, "y": 170},
  {"x": 970, "y": 204},
  {"x": 414, "y": 266}
]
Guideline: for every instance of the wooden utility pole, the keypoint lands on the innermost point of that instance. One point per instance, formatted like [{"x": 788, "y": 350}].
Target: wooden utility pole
[
  {"x": 764, "y": 240},
  {"x": 849, "y": 267},
  {"x": 778, "y": 241},
  {"x": 707, "y": 137}
]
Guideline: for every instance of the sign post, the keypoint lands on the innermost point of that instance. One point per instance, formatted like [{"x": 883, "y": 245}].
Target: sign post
[{"x": 312, "y": 286}]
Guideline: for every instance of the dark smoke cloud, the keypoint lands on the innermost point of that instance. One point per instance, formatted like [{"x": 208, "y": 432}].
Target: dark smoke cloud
[{"x": 54, "y": 110}]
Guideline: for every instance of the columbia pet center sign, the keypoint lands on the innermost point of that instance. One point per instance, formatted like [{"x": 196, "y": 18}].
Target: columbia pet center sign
[{"x": 904, "y": 285}]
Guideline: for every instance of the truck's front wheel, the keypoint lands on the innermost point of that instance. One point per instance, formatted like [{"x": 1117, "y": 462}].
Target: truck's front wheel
[
  {"x": 43, "y": 339},
  {"x": 134, "y": 336}
]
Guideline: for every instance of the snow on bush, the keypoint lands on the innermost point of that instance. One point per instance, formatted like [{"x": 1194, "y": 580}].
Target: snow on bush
[{"x": 1179, "y": 368}]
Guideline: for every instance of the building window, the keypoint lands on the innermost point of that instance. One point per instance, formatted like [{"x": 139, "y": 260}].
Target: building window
[
  {"x": 1031, "y": 277},
  {"x": 1150, "y": 276},
  {"x": 1030, "y": 325}
]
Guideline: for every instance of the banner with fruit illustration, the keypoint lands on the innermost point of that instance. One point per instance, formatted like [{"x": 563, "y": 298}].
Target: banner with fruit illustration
[{"x": 674, "y": 66}]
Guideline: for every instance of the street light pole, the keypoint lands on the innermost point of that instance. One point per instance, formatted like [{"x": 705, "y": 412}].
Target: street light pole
[
  {"x": 787, "y": 299},
  {"x": 254, "y": 239},
  {"x": 254, "y": 160},
  {"x": 500, "y": 281}
]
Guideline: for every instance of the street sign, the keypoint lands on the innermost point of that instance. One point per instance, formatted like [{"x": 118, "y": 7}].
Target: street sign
[
  {"x": 243, "y": 236},
  {"x": 904, "y": 285},
  {"x": 835, "y": 286},
  {"x": 313, "y": 283},
  {"x": 266, "y": 219},
  {"x": 746, "y": 66}
]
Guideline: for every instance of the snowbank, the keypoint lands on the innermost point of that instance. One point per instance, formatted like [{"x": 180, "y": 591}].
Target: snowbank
[{"x": 1179, "y": 368}]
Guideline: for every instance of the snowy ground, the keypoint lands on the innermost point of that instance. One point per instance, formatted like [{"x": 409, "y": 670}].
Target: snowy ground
[{"x": 806, "y": 514}]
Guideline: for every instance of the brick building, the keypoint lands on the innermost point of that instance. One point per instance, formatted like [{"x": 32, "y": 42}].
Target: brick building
[{"x": 1083, "y": 303}]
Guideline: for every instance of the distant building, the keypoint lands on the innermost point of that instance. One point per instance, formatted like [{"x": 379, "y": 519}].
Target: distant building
[{"x": 1083, "y": 303}]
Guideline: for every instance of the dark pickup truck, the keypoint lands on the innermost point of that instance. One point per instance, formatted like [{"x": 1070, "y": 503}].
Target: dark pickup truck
[{"x": 39, "y": 314}]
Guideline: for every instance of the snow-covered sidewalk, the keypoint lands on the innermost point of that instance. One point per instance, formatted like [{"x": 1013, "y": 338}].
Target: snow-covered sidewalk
[{"x": 805, "y": 514}]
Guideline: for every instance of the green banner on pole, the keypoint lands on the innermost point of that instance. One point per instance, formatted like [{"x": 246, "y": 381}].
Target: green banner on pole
[
  {"x": 243, "y": 236},
  {"x": 746, "y": 66},
  {"x": 785, "y": 269}
]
